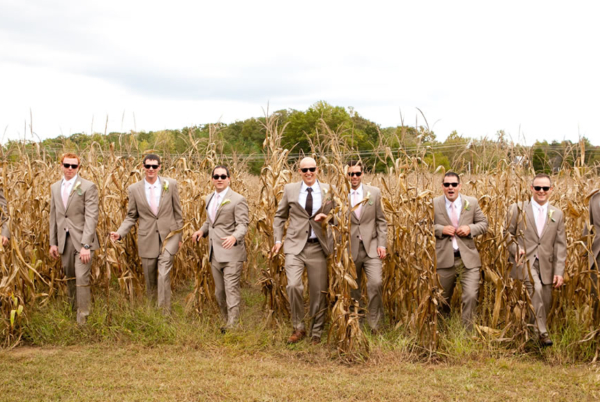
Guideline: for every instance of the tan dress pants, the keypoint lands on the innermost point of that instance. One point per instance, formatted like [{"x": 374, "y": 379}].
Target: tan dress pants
[
  {"x": 313, "y": 257},
  {"x": 541, "y": 298},
  {"x": 77, "y": 275},
  {"x": 157, "y": 272},
  {"x": 469, "y": 280},
  {"x": 227, "y": 289},
  {"x": 372, "y": 268}
]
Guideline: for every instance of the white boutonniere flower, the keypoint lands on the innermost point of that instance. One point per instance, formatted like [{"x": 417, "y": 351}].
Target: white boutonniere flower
[
  {"x": 166, "y": 186},
  {"x": 225, "y": 201},
  {"x": 467, "y": 206},
  {"x": 77, "y": 188},
  {"x": 368, "y": 198},
  {"x": 550, "y": 212}
]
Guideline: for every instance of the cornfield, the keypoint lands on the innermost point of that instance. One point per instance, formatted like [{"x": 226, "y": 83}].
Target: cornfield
[{"x": 411, "y": 292}]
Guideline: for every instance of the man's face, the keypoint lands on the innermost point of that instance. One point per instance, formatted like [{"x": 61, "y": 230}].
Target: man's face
[
  {"x": 542, "y": 195},
  {"x": 152, "y": 168},
  {"x": 308, "y": 170},
  {"x": 453, "y": 188},
  {"x": 70, "y": 172},
  {"x": 220, "y": 179},
  {"x": 355, "y": 176}
]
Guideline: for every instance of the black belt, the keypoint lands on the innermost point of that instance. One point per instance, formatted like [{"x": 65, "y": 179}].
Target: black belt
[
  {"x": 456, "y": 253},
  {"x": 315, "y": 240}
]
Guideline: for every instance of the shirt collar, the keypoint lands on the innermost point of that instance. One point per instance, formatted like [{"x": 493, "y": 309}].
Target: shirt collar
[
  {"x": 156, "y": 183},
  {"x": 537, "y": 206},
  {"x": 359, "y": 190},
  {"x": 315, "y": 187},
  {"x": 222, "y": 193},
  {"x": 457, "y": 201},
  {"x": 70, "y": 181}
]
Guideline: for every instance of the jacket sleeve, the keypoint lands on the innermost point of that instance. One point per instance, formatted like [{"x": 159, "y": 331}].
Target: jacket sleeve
[
  {"x": 241, "y": 220},
  {"x": 281, "y": 216},
  {"x": 177, "y": 214},
  {"x": 510, "y": 229},
  {"x": 53, "y": 229},
  {"x": 131, "y": 217},
  {"x": 560, "y": 248},
  {"x": 480, "y": 222},
  {"x": 4, "y": 218},
  {"x": 381, "y": 222},
  {"x": 91, "y": 215}
]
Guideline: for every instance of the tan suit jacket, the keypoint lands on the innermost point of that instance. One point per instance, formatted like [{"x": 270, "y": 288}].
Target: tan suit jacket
[
  {"x": 80, "y": 217},
  {"x": 231, "y": 219},
  {"x": 5, "y": 218},
  {"x": 372, "y": 225},
  {"x": 300, "y": 222},
  {"x": 470, "y": 215},
  {"x": 153, "y": 229},
  {"x": 551, "y": 248},
  {"x": 594, "y": 221}
]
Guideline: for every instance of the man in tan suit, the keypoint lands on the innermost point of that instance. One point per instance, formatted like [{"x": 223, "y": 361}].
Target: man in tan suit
[
  {"x": 305, "y": 204},
  {"x": 73, "y": 220},
  {"x": 457, "y": 221},
  {"x": 368, "y": 239},
  {"x": 538, "y": 249},
  {"x": 154, "y": 201},
  {"x": 226, "y": 225},
  {"x": 594, "y": 256},
  {"x": 5, "y": 236}
]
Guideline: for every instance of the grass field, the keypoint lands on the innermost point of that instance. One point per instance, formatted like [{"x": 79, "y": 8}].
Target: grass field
[{"x": 135, "y": 353}]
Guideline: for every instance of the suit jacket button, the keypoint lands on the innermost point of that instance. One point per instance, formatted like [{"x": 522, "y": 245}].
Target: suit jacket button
[{"x": 157, "y": 231}]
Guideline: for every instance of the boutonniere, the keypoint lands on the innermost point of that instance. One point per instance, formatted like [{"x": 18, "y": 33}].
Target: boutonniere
[
  {"x": 225, "y": 201},
  {"x": 550, "y": 212},
  {"x": 368, "y": 197},
  {"x": 467, "y": 206},
  {"x": 166, "y": 186},
  {"x": 77, "y": 188}
]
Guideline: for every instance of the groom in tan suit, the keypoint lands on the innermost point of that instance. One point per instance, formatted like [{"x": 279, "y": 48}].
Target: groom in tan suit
[
  {"x": 73, "y": 220},
  {"x": 5, "y": 236},
  {"x": 368, "y": 239},
  {"x": 305, "y": 204},
  {"x": 537, "y": 245},
  {"x": 457, "y": 221},
  {"x": 594, "y": 256},
  {"x": 226, "y": 225},
  {"x": 154, "y": 201}
]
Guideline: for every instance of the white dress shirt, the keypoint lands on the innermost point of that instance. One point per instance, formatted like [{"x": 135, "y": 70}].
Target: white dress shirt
[
  {"x": 157, "y": 192},
  {"x": 221, "y": 195},
  {"x": 458, "y": 205},
  {"x": 536, "y": 210},
  {"x": 70, "y": 182},
  {"x": 359, "y": 198},
  {"x": 316, "y": 196}
]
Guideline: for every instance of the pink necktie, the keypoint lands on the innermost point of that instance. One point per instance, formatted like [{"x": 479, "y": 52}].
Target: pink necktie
[
  {"x": 541, "y": 222},
  {"x": 214, "y": 208},
  {"x": 356, "y": 201},
  {"x": 65, "y": 194},
  {"x": 153, "y": 206},
  {"x": 454, "y": 217}
]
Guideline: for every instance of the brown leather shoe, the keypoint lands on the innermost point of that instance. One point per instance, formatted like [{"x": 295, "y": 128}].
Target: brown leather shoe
[
  {"x": 545, "y": 340},
  {"x": 297, "y": 336},
  {"x": 315, "y": 340}
]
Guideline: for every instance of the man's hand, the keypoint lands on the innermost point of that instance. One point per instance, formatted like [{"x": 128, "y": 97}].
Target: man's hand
[
  {"x": 275, "y": 248},
  {"x": 4, "y": 240},
  {"x": 228, "y": 242},
  {"x": 320, "y": 217},
  {"x": 519, "y": 256},
  {"x": 84, "y": 255},
  {"x": 54, "y": 252},
  {"x": 449, "y": 230},
  {"x": 463, "y": 231},
  {"x": 558, "y": 281},
  {"x": 381, "y": 252},
  {"x": 197, "y": 235},
  {"x": 114, "y": 236}
]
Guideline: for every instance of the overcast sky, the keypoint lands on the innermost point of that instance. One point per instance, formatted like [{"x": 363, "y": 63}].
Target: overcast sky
[{"x": 530, "y": 68}]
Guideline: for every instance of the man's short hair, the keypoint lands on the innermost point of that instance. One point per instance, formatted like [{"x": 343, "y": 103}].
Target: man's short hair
[
  {"x": 220, "y": 167},
  {"x": 151, "y": 157},
  {"x": 356, "y": 163},
  {"x": 542, "y": 176},
  {"x": 70, "y": 156},
  {"x": 451, "y": 174}
]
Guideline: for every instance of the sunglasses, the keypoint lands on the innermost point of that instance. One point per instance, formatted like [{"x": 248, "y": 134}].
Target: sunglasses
[
  {"x": 70, "y": 165},
  {"x": 538, "y": 188},
  {"x": 220, "y": 176},
  {"x": 450, "y": 184},
  {"x": 357, "y": 174},
  {"x": 150, "y": 167},
  {"x": 310, "y": 169}
]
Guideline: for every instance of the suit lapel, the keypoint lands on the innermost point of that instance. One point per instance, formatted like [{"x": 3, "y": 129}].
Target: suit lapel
[
  {"x": 142, "y": 195},
  {"x": 531, "y": 218},
  {"x": 463, "y": 210},
  {"x": 550, "y": 208},
  {"x": 230, "y": 191},
  {"x": 295, "y": 195},
  {"x": 442, "y": 207},
  {"x": 162, "y": 193}
]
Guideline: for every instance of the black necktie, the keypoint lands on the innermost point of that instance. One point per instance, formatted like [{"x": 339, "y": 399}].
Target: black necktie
[{"x": 309, "y": 201}]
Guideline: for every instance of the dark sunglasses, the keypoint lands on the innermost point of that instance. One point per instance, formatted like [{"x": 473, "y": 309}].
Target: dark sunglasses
[
  {"x": 357, "y": 174},
  {"x": 538, "y": 188},
  {"x": 311, "y": 169},
  {"x": 70, "y": 165},
  {"x": 149, "y": 167},
  {"x": 220, "y": 176},
  {"x": 450, "y": 184}
]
